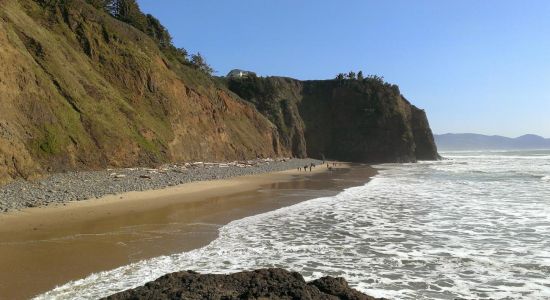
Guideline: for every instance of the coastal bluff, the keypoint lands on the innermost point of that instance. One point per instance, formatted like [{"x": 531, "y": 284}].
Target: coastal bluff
[
  {"x": 357, "y": 120},
  {"x": 258, "y": 284},
  {"x": 83, "y": 89}
]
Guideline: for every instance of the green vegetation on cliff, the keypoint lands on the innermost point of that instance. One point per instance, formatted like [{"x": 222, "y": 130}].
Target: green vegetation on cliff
[
  {"x": 128, "y": 11},
  {"x": 81, "y": 89},
  {"x": 89, "y": 84},
  {"x": 276, "y": 99}
]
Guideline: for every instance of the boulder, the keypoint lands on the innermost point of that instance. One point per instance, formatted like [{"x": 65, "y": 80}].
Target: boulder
[{"x": 258, "y": 284}]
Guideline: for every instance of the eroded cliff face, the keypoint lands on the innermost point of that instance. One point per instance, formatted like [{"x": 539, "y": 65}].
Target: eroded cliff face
[
  {"x": 81, "y": 90},
  {"x": 277, "y": 98},
  {"x": 351, "y": 120},
  {"x": 426, "y": 148}
]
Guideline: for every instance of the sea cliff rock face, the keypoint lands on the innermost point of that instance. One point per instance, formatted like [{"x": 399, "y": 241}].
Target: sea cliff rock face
[
  {"x": 260, "y": 284},
  {"x": 351, "y": 120},
  {"x": 277, "y": 98},
  {"x": 426, "y": 148},
  {"x": 82, "y": 90}
]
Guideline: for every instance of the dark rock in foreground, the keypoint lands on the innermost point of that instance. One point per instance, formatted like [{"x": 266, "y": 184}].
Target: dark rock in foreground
[{"x": 259, "y": 284}]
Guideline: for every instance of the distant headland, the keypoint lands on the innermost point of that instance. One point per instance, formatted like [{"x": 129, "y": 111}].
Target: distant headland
[{"x": 472, "y": 141}]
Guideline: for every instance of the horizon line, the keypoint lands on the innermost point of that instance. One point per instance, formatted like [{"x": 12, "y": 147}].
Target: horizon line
[{"x": 492, "y": 135}]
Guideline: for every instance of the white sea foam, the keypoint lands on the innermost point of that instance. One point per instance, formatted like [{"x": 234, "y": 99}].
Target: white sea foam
[{"x": 471, "y": 227}]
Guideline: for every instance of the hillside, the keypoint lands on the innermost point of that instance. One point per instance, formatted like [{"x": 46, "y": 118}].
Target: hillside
[
  {"x": 471, "y": 141},
  {"x": 82, "y": 89},
  {"x": 364, "y": 120}
]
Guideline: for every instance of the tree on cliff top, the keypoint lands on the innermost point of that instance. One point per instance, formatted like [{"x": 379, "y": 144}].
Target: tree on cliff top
[
  {"x": 200, "y": 63},
  {"x": 376, "y": 78},
  {"x": 350, "y": 75},
  {"x": 158, "y": 32},
  {"x": 129, "y": 12}
]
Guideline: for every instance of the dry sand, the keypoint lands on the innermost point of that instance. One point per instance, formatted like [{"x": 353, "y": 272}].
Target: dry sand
[{"x": 44, "y": 247}]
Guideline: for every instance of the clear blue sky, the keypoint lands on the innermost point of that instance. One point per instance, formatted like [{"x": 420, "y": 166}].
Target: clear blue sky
[{"x": 474, "y": 66}]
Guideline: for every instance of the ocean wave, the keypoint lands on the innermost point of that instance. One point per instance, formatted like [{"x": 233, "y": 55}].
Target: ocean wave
[
  {"x": 413, "y": 232},
  {"x": 106, "y": 283}
]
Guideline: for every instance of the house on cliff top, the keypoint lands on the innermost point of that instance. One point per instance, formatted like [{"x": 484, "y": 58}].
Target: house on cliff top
[{"x": 236, "y": 73}]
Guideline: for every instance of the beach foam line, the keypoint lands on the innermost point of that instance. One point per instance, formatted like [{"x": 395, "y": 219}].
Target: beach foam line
[{"x": 106, "y": 283}]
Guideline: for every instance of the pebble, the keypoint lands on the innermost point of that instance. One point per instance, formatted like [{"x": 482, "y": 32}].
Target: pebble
[{"x": 74, "y": 186}]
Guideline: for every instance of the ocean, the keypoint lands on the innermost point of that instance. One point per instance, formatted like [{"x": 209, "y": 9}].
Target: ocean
[{"x": 475, "y": 225}]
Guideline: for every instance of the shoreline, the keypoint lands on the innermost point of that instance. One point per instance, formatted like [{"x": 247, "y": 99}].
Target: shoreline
[
  {"x": 62, "y": 188},
  {"x": 140, "y": 201},
  {"x": 48, "y": 244}
]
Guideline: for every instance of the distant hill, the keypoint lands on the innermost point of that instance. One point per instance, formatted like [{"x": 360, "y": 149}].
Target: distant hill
[{"x": 472, "y": 141}]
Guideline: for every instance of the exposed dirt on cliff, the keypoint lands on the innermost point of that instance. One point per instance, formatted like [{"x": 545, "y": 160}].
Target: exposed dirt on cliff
[{"x": 82, "y": 90}]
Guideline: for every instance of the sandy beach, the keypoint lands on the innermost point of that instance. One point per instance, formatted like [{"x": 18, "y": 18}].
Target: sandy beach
[{"x": 44, "y": 247}]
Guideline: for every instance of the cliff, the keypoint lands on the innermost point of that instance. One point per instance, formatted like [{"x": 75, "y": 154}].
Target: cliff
[
  {"x": 82, "y": 90},
  {"x": 259, "y": 284},
  {"x": 364, "y": 120}
]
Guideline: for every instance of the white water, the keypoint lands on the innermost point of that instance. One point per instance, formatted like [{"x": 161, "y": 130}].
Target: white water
[{"x": 474, "y": 226}]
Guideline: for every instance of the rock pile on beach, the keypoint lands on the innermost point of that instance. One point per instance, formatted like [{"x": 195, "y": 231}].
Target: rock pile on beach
[
  {"x": 259, "y": 284},
  {"x": 73, "y": 186}
]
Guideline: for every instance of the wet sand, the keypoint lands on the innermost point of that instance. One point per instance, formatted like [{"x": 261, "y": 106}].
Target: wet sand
[{"x": 44, "y": 247}]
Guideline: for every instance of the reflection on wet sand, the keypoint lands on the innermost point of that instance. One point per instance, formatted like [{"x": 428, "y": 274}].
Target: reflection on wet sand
[{"x": 40, "y": 256}]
